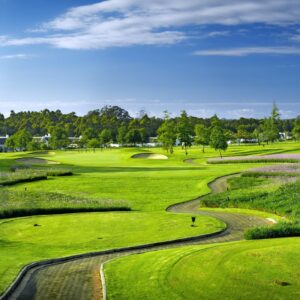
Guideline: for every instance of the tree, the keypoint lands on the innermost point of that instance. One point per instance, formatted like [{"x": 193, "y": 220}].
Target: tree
[
  {"x": 20, "y": 140},
  {"x": 59, "y": 138},
  {"x": 167, "y": 133},
  {"x": 133, "y": 136},
  {"x": 271, "y": 125},
  {"x": 218, "y": 139},
  {"x": 270, "y": 130},
  {"x": 243, "y": 132},
  {"x": 296, "y": 129},
  {"x": 105, "y": 136},
  {"x": 93, "y": 143},
  {"x": 10, "y": 143},
  {"x": 258, "y": 135},
  {"x": 34, "y": 145},
  {"x": 202, "y": 135},
  {"x": 185, "y": 131},
  {"x": 121, "y": 137}
]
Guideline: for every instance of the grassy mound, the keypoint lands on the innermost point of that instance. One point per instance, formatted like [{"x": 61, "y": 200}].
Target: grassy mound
[{"x": 265, "y": 269}]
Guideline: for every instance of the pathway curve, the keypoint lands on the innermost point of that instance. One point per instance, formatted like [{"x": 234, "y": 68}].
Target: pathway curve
[{"x": 79, "y": 278}]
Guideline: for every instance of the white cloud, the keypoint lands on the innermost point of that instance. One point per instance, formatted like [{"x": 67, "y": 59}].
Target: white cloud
[
  {"x": 219, "y": 33},
  {"x": 249, "y": 51},
  {"x": 114, "y": 23},
  {"x": 14, "y": 56}
]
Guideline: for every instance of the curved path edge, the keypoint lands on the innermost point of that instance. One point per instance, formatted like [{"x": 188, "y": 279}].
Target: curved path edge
[
  {"x": 10, "y": 290},
  {"x": 183, "y": 207}
]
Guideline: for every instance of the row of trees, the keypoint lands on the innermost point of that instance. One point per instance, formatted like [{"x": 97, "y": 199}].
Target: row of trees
[
  {"x": 113, "y": 124},
  {"x": 186, "y": 134}
]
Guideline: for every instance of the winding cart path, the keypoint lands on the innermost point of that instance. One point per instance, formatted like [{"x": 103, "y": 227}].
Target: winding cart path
[{"x": 78, "y": 278}]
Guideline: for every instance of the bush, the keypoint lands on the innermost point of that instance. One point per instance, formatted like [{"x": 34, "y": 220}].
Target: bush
[{"x": 275, "y": 231}]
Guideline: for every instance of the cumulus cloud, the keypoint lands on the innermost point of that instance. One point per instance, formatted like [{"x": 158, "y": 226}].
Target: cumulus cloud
[{"x": 113, "y": 23}]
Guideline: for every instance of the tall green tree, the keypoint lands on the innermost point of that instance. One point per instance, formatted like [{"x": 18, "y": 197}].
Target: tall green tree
[
  {"x": 185, "y": 131},
  {"x": 296, "y": 129},
  {"x": 22, "y": 139},
  {"x": 105, "y": 136},
  {"x": 59, "y": 138},
  {"x": 218, "y": 139},
  {"x": 121, "y": 137},
  {"x": 167, "y": 133},
  {"x": 202, "y": 135},
  {"x": 133, "y": 136}
]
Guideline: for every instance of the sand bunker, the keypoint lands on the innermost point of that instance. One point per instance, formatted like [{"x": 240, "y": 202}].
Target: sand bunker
[
  {"x": 150, "y": 156},
  {"x": 35, "y": 161}
]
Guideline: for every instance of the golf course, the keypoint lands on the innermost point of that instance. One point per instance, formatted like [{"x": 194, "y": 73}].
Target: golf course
[{"x": 91, "y": 204}]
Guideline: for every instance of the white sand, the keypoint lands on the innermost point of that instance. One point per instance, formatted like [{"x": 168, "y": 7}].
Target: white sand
[{"x": 150, "y": 156}]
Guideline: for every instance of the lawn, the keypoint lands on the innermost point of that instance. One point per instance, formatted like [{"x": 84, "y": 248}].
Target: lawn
[
  {"x": 24, "y": 240},
  {"x": 266, "y": 269},
  {"x": 109, "y": 176}
]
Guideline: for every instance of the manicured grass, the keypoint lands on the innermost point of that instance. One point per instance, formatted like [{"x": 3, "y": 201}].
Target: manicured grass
[
  {"x": 111, "y": 175},
  {"x": 265, "y": 269},
  {"x": 56, "y": 236},
  {"x": 146, "y": 184}
]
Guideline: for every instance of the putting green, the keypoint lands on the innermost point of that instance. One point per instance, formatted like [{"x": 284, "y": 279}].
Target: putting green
[{"x": 266, "y": 269}]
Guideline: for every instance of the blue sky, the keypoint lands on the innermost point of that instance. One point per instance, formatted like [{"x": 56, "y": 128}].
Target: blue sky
[{"x": 234, "y": 58}]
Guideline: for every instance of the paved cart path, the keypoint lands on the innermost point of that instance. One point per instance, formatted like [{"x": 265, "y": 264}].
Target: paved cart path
[{"x": 79, "y": 278}]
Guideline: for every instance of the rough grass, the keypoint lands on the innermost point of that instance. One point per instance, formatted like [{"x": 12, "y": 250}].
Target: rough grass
[
  {"x": 23, "y": 175},
  {"x": 265, "y": 269},
  {"x": 277, "y": 196},
  {"x": 25, "y": 203},
  {"x": 283, "y": 229}
]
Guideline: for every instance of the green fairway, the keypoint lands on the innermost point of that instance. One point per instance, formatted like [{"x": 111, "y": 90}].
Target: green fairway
[
  {"x": 145, "y": 184},
  {"x": 110, "y": 177},
  {"x": 267, "y": 269},
  {"x": 25, "y": 240}
]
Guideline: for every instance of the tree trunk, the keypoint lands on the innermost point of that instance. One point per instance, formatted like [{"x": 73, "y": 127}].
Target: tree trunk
[
  {"x": 203, "y": 149},
  {"x": 220, "y": 153}
]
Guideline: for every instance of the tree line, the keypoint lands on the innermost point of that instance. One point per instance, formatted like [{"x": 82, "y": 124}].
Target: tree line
[{"x": 113, "y": 124}]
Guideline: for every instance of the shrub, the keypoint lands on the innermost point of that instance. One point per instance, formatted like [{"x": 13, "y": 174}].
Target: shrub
[{"x": 275, "y": 231}]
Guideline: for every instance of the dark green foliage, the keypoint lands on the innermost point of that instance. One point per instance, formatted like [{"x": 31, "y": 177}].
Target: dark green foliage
[
  {"x": 218, "y": 140},
  {"x": 167, "y": 133},
  {"x": 185, "y": 131},
  {"x": 202, "y": 135},
  {"x": 296, "y": 129},
  {"x": 275, "y": 231}
]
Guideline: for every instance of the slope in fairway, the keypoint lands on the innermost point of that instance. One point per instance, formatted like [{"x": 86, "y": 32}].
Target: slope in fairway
[
  {"x": 25, "y": 240},
  {"x": 266, "y": 269},
  {"x": 146, "y": 184}
]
